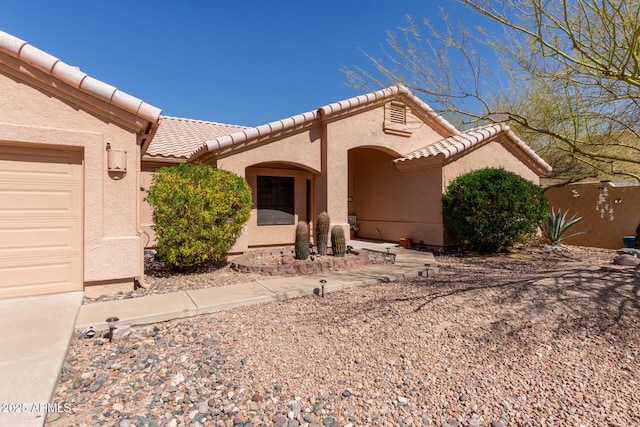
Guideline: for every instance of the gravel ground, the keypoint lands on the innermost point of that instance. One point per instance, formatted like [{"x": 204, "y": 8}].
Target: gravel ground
[
  {"x": 161, "y": 281},
  {"x": 529, "y": 339}
]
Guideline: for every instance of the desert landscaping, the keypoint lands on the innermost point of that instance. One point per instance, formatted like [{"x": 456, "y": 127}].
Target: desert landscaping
[{"x": 533, "y": 338}]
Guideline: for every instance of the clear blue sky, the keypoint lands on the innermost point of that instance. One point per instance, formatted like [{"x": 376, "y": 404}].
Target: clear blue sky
[{"x": 238, "y": 62}]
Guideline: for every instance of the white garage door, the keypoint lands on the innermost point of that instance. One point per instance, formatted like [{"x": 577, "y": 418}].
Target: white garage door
[{"x": 40, "y": 221}]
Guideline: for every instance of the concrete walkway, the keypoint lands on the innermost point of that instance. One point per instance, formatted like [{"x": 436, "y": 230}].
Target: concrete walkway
[
  {"x": 163, "y": 307},
  {"x": 35, "y": 332},
  {"x": 34, "y": 337}
]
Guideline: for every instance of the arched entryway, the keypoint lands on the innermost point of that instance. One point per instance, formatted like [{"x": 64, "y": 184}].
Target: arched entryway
[{"x": 390, "y": 204}]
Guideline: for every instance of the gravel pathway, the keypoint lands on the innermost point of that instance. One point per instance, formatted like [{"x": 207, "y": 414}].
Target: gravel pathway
[{"x": 531, "y": 339}]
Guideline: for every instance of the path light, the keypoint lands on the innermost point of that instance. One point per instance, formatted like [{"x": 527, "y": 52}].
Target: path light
[
  {"x": 112, "y": 325},
  {"x": 322, "y": 282},
  {"x": 428, "y": 266}
]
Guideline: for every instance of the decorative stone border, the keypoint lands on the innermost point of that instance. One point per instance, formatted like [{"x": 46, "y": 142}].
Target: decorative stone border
[{"x": 282, "y": 262}]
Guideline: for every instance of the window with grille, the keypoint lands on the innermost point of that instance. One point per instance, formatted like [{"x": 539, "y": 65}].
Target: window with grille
[{"x": 275, "y": 200}]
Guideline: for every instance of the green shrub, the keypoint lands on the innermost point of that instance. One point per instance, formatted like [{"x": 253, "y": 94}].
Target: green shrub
[
  {"x": 556, "y": 225},
  {"x": 491, "y": 209},
  {"x": 198, "y": 213}
]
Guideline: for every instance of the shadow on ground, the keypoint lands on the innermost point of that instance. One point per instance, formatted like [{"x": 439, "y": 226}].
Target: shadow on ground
[{"x": 509, "y": 299}]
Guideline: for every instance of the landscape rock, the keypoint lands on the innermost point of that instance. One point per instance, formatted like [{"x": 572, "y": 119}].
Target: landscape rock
[
  {"x": 491, "y": 328},
  {"x": 629, "y": 251},
  {"x": 626, "y": 259}
]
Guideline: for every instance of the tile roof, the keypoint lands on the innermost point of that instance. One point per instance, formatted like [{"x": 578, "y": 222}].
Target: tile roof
[
  {"x": 456, "y": 144},
  {"x": 176, "y": 137},
  {"x": 420, "y": 108},
  {"x": 72, "y": 76}
]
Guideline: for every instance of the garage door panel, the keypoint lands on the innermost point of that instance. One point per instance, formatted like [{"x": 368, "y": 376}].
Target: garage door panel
[
  {"x": 20, "y": 238},
  {"x": 35, "y": 279},
  {"x": 37, "y": 202},
  {"x": 17, "y": 165},
  {"x": 40, "y": 220}
]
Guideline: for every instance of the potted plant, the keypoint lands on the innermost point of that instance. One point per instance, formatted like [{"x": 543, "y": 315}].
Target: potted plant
[{"x": 352, "y": 230}]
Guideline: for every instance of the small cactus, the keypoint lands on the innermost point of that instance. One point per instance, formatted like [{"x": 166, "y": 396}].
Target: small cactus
[
  {"x": 338, "y": 245},
  {"x": 302, "y": 241},
  {"x": 322, "y": 233}
]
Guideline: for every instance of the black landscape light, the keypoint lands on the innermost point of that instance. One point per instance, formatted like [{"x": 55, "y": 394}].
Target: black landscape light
[
  {"x": 322, "y": 282},
  {"x": 112, "y": 325}
]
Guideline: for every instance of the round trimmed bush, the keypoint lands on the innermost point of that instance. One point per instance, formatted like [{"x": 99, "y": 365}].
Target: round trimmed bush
[
  {"x": 491, "y": 209},
  {"x": 198, "y": 213}
]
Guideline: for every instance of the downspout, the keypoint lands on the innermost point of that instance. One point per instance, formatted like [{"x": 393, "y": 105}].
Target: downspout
[{"x": 139, "y": 281}]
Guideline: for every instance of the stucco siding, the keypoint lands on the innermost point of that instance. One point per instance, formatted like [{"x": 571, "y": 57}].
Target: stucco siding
[
  {"x": 303, "y": 149},
  {"x": 31, "y": 116},
  {"x": 366, "y": 129}
]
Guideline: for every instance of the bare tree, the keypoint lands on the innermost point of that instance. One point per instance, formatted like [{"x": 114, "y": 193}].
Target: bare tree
[{"x": 563, "y": 73}]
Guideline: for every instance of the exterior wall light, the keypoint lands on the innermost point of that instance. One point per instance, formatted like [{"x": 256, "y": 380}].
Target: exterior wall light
[{"x": 116, "y": 162}]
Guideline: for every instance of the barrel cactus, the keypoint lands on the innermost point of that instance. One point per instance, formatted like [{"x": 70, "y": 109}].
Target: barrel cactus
[
  {"x": 338, "y": 244},
  {"x": 302, "y": 241},
  {"x": 322, "y": 233}
]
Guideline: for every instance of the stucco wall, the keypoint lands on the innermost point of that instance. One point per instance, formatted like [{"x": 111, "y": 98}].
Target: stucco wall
[
  {"x": 605, "y": 229},
  {"x": 111, "y": 243},
  {"x": 303, "y": 150}
]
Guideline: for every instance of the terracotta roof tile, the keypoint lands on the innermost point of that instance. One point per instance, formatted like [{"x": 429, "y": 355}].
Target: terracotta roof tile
[
  {"x": 177, "y": 137},
  {"x": 456, "y": 144}
]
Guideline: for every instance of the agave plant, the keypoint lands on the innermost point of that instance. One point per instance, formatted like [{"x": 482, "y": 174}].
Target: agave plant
[{"x": 556, "y": 225}]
